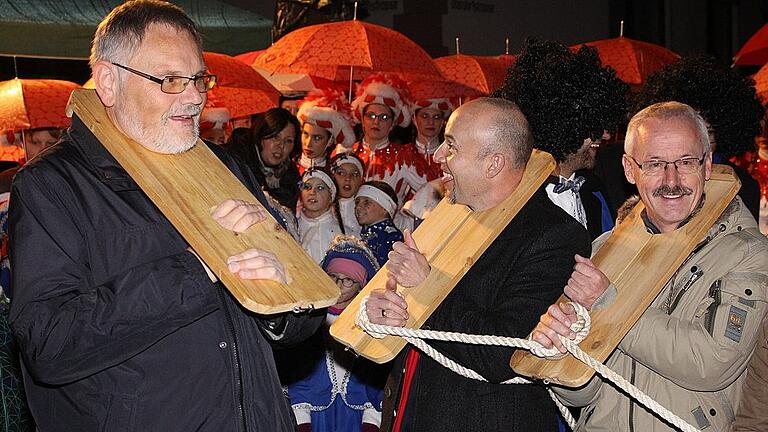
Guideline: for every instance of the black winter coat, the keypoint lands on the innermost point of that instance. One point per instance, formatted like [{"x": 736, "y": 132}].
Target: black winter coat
[
  {"x": 119, "y": 327},
  {"x": 520, "y": 274}
]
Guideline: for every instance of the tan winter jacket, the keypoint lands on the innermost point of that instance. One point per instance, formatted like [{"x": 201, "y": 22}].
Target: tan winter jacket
[
  {"x": 752, "y": 414},
  {"x": 689, "y": 350}
]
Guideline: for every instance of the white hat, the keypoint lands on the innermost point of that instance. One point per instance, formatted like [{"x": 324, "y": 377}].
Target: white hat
[
  {"x": 385, "y": 89},
  {"x": 323, "y": 177},
  {"x": 443, "y": 105},
  {"x": 382, "y": 198},
  {"x": 328, "y": 109},
  {"x": 214, "y": 118}
]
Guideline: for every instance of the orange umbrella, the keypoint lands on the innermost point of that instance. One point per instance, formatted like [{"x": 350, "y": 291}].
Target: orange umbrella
[
  {"x": 484, "y": 74},
  {"x": 329, "y": 50},
  {"x": 632, "y": 60},
  {"x": 34, "y": 103},
  {"x": 239, "y": 88},
  {"x": 435, "y": 89},
  {"x": 755, "y": 51},
  {"x": 249, "y": 57}
]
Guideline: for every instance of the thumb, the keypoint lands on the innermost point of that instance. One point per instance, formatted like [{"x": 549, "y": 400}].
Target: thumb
[
  {"x": 408, "y": 239},
  {"x": 391, "y": 283},
  {"x": 581, "y": 259}
]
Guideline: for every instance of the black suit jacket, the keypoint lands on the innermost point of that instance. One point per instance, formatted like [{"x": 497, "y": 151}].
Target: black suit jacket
[{"x": 504, "y": 293}]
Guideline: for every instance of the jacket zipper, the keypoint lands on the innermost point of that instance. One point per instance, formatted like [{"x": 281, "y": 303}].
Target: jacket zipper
[
  {"x": 235, "y": 357},
  {"x": 714, "y": 293},
  {"x": 696, "y": 273},
  {"x": 631, "y": 401}
]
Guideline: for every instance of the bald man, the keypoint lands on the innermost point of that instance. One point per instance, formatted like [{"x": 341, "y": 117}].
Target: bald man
[{"x": 487, "y": 145}]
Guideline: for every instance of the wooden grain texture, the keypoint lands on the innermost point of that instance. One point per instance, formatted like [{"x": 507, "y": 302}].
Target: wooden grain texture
[
  {"x": 185, "y": 187},
  {"x": 452, "y": 239},
  {"x": 639, "y": 264}
]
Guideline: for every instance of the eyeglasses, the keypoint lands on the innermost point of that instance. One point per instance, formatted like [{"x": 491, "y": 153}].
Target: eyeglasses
[
  {"x": 426, "y": 116},
  {"x": 372, "y": 116},
  {"x": 687, "y": 165},
  {"x": 175, "y": 84},
  {"x": 308, "y": 186},
  {"x": 345, "y": 281}
]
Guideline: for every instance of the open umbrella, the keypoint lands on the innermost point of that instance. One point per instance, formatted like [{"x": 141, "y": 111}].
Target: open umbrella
[
  {"x": 632, "y": 60},
  {"x": 330, "y": 50},
  {"x": 34, "y": 103},
  {"x": 484, "y": 74},
  {"x": 239, "y": 88},
  {"x": 444, "y": 88},
  {"x": 755, "y": 51},
  {"x": 249, "y": 57}
]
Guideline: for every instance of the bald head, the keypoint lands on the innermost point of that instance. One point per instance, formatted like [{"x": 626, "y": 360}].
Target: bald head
[{"x": 499, "y": 127}]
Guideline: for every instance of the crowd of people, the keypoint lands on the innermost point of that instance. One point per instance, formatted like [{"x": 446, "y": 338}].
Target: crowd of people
[{"x": 119, "y": 325}]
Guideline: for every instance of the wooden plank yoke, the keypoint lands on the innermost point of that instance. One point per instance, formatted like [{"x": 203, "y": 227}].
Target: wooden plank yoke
[
  {"x": 185, "y": 187},
  {"x": 639, "y": 264},
  {"x": 452, "y": 239}
]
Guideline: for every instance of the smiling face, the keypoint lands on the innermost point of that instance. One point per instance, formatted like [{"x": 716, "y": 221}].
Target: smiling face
[
  {"x": 377, "y": 130},
  {"x": 671, "y": 196},
  {"x": 462, "y": 170},
  {"x": 429, "y": 123},
  {"x": 161, "y": 122},
  {"x": 349, "y": 179},
  {"x": 314, "y": 140},
  {"x": 277, "y": 149},
  {"x": 369, "y": 211},
  {"x": 315, "y": 197}
]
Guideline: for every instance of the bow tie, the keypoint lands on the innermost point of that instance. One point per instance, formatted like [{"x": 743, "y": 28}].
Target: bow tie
[{"x": 564, "y": 185}]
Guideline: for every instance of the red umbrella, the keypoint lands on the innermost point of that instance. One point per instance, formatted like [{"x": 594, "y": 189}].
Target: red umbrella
[
  {"x": 249, "y": 57},
  {"x": 435, "y": 89},
  {"x": 239, "y": 88},
  {"x": 632, "y": 60},
  {"x": 484, "y": 74},
  {"x": 34, "y": 103},
  {"x": 755, "y": 51},
  {"x": 329, "y": 50}
]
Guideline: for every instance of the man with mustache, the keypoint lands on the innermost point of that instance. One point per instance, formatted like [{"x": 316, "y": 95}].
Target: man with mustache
[
  {"x": 121, "y": 327},
  {"x": 690, "y": 348},
  {"x": 487, "y": 146}
]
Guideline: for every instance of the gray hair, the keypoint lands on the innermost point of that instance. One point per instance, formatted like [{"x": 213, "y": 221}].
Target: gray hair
[
  {"x": 120, "y": 34},
  {"x": 664, "y": 111},
  {"x": 508, "y": 131}
]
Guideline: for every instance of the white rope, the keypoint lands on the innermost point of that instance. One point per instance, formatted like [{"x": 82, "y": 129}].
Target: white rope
[{"x": 581, "y": 327}]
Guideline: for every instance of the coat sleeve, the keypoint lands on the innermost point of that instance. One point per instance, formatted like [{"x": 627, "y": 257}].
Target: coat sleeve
[
  {"x": 536, "y": 280},
  {"x": 751, "y": 414},
  {"x": 67, "y": 326},
  {"x": 701, "y": 357}
]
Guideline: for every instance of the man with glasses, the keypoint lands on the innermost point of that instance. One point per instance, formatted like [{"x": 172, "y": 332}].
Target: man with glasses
[
  {"x": 689, "y": 350},
  {"x": 122, "y": 327}
]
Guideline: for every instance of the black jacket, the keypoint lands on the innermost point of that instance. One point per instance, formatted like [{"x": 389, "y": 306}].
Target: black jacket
[
  {"x": 119, "y": 327},
  {"x": 522, "y": 272}
]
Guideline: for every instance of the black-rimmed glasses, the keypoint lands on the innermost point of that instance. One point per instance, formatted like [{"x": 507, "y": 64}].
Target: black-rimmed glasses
[{"x": 175, "y": 84}]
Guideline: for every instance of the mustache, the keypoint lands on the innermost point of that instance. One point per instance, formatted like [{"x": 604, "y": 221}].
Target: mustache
[
  {"x": 188, "y": 110},
  {"x": 671, "y": 190}
]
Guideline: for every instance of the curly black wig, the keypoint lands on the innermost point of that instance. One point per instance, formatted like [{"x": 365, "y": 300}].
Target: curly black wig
[
  {"x": 567, "y": 97},
  {"x": 724, "y": 99}
]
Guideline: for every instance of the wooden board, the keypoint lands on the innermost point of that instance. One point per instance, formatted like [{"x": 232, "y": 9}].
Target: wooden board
[
  {"x": 639, "y": 264},
  {"x": 185, "y": 187},
  {"x": 452, "y": 239}
]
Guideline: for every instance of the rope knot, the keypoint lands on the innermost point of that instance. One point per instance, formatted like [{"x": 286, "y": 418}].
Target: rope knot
[{"x": 581, "y": 327}]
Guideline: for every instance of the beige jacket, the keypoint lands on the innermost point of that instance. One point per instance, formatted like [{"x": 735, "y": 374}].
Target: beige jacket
[
  {"x": 752, "y": 414},
  {"x": 690, "y": 356}
]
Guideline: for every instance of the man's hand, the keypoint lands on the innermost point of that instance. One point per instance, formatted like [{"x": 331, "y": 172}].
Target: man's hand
[
  {"x": 587, "y": 283},
  {"x": 557, "y": 321},
  {"x": 257, "y": 264},
  {"x": 238, "y": 215},
  {"x": 386, "y": 307},
  {"x": 406, "y": 264}
]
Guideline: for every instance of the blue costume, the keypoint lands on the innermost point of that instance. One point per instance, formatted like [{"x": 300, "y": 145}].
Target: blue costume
[{"x": 380, "y": 237}]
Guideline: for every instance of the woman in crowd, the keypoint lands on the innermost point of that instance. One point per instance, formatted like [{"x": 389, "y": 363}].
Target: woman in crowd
[{"x": 326, "y": 121}]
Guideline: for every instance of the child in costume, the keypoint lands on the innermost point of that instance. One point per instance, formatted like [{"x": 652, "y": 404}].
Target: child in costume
[
  {"x": 348, "y": 171},
  {"x": 375, "y": 205},
  {"x": 318, "y": 225},
  {"x": 326, "y": 121},
  {"x": 330, "y": 388}
]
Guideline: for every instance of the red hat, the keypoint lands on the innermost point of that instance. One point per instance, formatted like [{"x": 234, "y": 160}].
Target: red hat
[
  {"x": 385, "y": 89},
  {"x": 328, "y": 109}
]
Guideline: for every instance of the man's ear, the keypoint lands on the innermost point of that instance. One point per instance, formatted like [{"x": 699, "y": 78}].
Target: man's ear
[
  {"x": 106, "y": 81},
  {"x": 629, "y": 171},
  {"x": 496, "y": 163}
]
